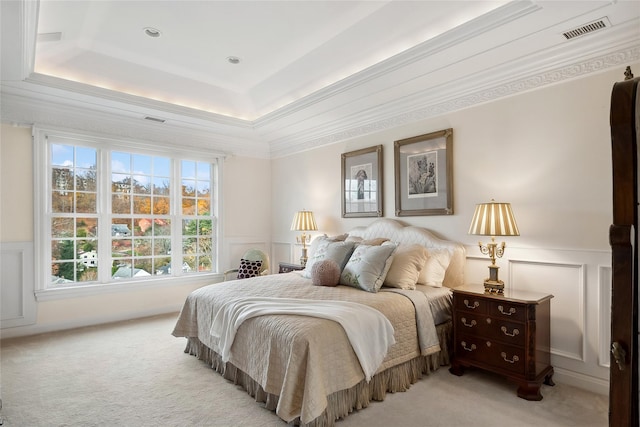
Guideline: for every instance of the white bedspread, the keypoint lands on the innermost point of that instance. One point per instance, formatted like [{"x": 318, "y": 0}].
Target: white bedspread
[{"x": 369, "y": 331}]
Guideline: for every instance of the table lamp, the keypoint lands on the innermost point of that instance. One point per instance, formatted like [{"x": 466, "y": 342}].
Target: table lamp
[
  {"x": 304, "y": 221},
  {"x": 493, "y": 219}
]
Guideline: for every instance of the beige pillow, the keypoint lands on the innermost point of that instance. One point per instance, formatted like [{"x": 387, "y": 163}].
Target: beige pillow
[
  {"x": 339, "y": 237},
  {"x": 405, "y": 269},
  {"x": 374, "y": 242},
  {"x": 434, "y": 269},
  {"x": 377, "y": 241}
]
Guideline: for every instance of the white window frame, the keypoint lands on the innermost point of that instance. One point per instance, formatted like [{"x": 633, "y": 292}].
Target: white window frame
[{"x": 42, "y": 208}]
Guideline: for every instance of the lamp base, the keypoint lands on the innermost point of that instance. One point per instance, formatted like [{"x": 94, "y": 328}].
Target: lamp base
[
  {"x": 492, "y": 284},
  {"x": 493, "y": 287},
  {"x": 303, "y": 258}
]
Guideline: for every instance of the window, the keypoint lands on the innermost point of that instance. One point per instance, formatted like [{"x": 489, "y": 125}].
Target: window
[{"x": 114, "y": 213}]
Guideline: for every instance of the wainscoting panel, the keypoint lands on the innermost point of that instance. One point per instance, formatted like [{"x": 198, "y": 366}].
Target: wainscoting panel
[
  {"x": 282, "y": 252},
  {"x": 17, "y": 284},
  {"x": 566, "y": 283}
]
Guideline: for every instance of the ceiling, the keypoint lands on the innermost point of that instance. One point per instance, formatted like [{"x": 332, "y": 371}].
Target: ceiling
[
  {"x": 309, "y": 72},
  {"x": 287, "y": 49}
]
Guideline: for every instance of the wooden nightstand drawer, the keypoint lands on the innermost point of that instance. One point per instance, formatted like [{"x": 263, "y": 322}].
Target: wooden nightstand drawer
[
  {"x": 504, "y": 310},
  {"x": 506, "y": 357},
  {"x": 471, "y": 323},
  {"x": 472, "y": 348},
  {"x": 508, "y": 332},
  {"x": 491, "y": 354},
  {"x": 476, "y": 305}
]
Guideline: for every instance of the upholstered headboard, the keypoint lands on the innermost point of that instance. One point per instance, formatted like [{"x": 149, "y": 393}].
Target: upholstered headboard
[{"x": 397, "y": 232}]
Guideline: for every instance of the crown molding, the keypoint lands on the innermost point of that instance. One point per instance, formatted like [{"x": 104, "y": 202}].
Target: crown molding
[
  {"x": 20, "y": 109},
  {"x": 80, "y": 92},
  {"x": 496, "y": 18},
  {"x": 435, "y": 104}
]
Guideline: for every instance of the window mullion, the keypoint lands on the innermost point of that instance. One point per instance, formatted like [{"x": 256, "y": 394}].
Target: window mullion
[
  {"x": 176, "y": 219},
  {"x": 104, "y": 216}
]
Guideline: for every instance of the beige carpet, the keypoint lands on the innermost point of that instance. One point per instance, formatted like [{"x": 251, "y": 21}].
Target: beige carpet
[{"x": 135, "y": 374}]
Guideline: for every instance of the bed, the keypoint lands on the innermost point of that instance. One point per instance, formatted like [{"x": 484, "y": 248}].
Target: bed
[{"x": 308, "y": 368}]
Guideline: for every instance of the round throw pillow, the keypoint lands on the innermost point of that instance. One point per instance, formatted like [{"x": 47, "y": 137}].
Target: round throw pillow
[{"x": 325, "y": 273}]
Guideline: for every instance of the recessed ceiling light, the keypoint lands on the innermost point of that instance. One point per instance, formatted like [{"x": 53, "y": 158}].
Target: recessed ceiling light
[
  {"x": 233, "y": 59},
  {"x": 152, "y": 32}
]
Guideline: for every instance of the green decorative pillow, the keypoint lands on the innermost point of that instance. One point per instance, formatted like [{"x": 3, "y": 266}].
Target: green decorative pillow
[
  {"x": 368, "y": 266},
  {"x": 329, "y": 249}
]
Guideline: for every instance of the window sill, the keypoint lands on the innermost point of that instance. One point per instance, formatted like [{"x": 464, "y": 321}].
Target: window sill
[{"x": 125, "y": 286}]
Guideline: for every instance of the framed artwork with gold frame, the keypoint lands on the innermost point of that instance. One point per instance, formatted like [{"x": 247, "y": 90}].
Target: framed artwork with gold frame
[
  {"x": 362, "y": 183},
  {"x": 424, "y": 174}
]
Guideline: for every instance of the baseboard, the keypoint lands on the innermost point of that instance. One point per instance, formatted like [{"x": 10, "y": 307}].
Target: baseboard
[
  {"x": 586, "y": 382},
  {"x": 23, "y": 331}
]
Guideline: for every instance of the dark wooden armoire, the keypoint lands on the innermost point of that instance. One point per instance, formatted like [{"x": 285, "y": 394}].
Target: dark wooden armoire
[{"x": 623, "y": 237}]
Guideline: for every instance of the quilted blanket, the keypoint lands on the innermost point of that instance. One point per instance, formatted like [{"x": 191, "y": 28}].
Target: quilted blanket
[
  {"x": 369, "y": 332},
  {"x": 301, "y": 359}
]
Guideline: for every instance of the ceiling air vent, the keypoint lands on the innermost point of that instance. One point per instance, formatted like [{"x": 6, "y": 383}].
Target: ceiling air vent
[
  {"x": 587, "y": 28},
  {"x": 154, "y": 119}
]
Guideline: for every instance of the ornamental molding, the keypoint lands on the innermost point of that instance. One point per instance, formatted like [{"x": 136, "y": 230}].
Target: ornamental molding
[{"x": 306, "y": 140}]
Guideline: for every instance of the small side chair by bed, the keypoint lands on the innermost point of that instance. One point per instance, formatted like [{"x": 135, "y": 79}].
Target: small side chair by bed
[{"x": 254, "y": 262}]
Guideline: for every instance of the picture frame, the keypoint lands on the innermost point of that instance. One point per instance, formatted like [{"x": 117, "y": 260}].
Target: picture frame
[
  {"x": 362, "y": 183},
  {"x": 424, "y": 174}
]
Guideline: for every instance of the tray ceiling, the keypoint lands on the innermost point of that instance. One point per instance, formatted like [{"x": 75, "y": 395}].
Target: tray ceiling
[{"x": 309, "y": 72}]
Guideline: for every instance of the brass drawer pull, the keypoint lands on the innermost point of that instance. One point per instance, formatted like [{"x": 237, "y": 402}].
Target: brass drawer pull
[
  {"x": 509, "y": 313},
  {"x": 513, "y": 334},
  {"x": 514, "y": 360},
  {"x": 464, "y": 345},
  {"x": 468, "y": 325},
  {"x": 473, "y": 307}
]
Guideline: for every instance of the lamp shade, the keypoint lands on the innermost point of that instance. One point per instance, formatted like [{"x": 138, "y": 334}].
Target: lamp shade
[
  {"x": 494, "y": 219},
  {"x": 304, "y": 221}
]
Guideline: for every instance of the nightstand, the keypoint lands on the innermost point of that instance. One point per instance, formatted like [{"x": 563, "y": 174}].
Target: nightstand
[
  {"x": 286, "y": 267},
  {"x": 506, "y": 334}
]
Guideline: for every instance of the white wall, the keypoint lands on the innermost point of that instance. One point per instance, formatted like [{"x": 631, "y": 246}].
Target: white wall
[
  {"x": 547, "y": 152},
  {"x": 16, "y": 184}
]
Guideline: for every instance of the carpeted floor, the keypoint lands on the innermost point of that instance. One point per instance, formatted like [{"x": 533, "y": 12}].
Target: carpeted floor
[{"x": 135, "y": 374}]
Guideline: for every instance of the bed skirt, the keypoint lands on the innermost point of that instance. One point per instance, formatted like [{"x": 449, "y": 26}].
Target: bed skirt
[{"x": 341, "y": 403}]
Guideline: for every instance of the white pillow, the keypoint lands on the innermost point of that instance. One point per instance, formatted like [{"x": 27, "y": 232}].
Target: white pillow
[
  {"x": 368, "y": 266},
  {"x": 408, "y": 261},
  {"x": 434, "y": 269},
  {"x": 328, "y": 249}
]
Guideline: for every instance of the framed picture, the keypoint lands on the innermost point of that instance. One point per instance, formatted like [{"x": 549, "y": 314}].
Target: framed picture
[
  {"x": 424, "y": 174},
  {"x": 362, "y": 183}
]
